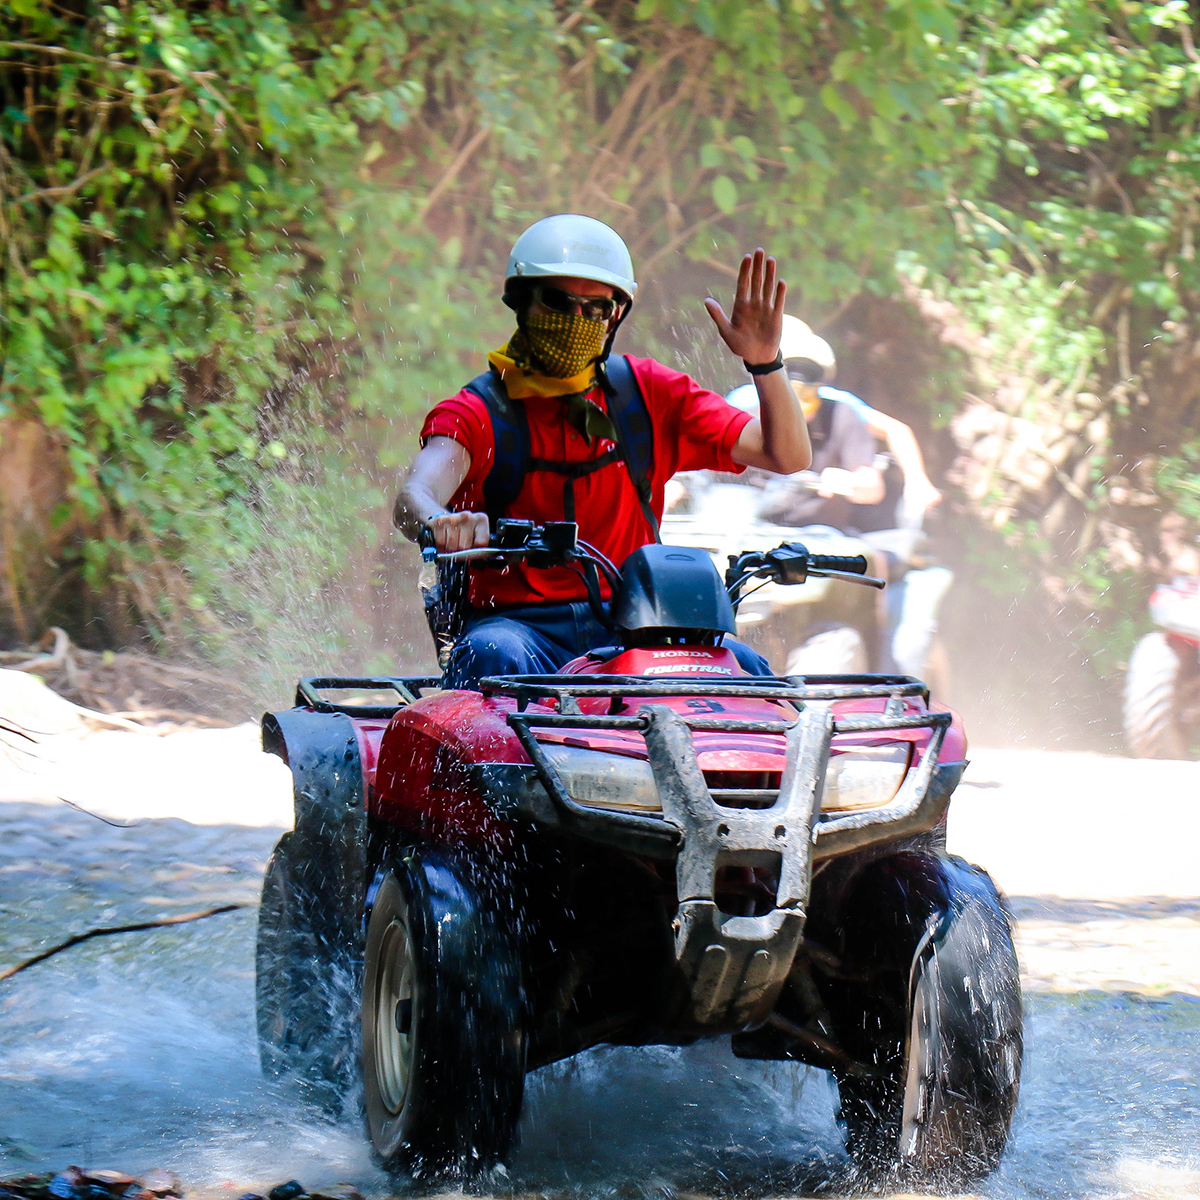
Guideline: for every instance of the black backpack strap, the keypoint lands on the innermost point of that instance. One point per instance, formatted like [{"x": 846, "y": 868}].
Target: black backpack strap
[
  {"x": 635, "y": 433},
  {"x": 513, "y": 460},
  {"x": 573, "y": 471},
  {"x": 510, "y": 430}
]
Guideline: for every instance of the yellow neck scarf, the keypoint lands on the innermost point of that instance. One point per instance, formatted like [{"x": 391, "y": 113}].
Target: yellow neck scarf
[{"x": 522, "y": 383}]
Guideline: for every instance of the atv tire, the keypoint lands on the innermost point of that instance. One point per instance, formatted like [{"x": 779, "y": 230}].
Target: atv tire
[
  {"x": 937, "y": 1116},
  {"x": 1151, "y": 708},
  {"x": 833, "y": 650},
  {"x": 306, "y": 993},
  {"x": 442, "y": 1018}
]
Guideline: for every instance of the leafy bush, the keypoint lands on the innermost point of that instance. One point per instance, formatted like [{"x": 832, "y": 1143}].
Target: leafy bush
[
  {"x": 248, "y": 241},
  {"x": 224, "y": 220}
]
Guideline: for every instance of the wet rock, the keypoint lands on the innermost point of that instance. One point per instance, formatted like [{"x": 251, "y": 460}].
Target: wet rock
[
  {"x": 162, "y": 1183},
  {"x": 107, "y": 1183},
  {"x": 24, "y": 1187},
  {"x": 337, "y": 1191},
  {"x": 74, "y": 1184},
  {"x": 67, "y": 1185},
  {"x": 286, "y": 1191}
]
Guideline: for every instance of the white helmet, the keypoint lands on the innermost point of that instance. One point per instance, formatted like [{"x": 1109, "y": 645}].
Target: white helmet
[
  {"x": 568, "y": 244},
  {"x": 799, "y": 341}
]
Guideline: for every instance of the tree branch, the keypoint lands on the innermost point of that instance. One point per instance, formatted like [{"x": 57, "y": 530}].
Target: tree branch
[
  {"x": 683, "y": 236},
  {"x": 451, "y": 172},
  {"x": 137, "y": 927},
  {"x": 54, "y": 193}
]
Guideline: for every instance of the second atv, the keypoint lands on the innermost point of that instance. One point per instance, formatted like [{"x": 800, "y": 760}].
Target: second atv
[{"x": 829, "y": 627}]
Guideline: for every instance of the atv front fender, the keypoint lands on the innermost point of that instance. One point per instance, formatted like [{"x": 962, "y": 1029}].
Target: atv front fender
[{"x": 329, "y": 842}]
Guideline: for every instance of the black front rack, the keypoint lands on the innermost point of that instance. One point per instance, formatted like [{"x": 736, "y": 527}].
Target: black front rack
[{"x": 407, "y": 687}]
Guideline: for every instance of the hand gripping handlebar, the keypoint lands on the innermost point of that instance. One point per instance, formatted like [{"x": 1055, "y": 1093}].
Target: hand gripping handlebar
[{"x": 553, "y": 544}]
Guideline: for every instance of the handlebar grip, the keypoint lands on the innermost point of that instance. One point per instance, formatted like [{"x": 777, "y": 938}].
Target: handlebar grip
[{"x": 855, "y": 564}]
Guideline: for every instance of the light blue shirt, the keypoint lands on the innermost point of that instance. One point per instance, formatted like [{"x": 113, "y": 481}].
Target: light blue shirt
[{"x": 746, "y": 398}]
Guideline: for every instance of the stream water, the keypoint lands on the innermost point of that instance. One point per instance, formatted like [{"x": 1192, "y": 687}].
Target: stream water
[{"x": 138, "y": 1051}]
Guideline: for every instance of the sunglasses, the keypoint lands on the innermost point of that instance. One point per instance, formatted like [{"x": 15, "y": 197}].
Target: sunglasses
[
  {"x": 556, "y": 299},
  {"x": 804, "y": 370}
]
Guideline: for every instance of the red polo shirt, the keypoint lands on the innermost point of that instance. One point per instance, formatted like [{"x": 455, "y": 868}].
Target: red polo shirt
[{"x": 694, "y": 430}]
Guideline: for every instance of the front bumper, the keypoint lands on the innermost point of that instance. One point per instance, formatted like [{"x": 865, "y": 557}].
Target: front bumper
[{"x": 735, "y": 966}]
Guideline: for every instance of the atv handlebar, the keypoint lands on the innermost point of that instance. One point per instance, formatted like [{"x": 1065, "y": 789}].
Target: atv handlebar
[
  {"x": 851, "y": 564},
  {"x": 791, "y": 563},
  {"x": 557, "y": 544},
  {"x": 553, "y": 544}
]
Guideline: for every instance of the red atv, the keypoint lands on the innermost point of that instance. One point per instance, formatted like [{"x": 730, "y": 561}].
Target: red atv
[{"x": 650, "y": 847}]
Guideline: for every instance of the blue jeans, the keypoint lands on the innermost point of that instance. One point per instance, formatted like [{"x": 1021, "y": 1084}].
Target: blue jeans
[{"x": 540, "y": 639}]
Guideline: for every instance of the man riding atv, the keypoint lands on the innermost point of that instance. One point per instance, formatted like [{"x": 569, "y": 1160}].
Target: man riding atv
[
  {"x": 527, "y": 857},
  {"x": 853, "y": 489},
  {"x": 843, "y": 449},
  {"x": 556, "y": 430}
]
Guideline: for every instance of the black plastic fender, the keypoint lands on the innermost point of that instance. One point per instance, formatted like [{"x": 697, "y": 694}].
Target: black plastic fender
[
  {"x": 309, "y": 950},
  {"x": 330, "y": 836}
]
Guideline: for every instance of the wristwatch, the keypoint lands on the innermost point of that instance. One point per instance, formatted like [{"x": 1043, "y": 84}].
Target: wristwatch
[{"x": 776, "y": 364}]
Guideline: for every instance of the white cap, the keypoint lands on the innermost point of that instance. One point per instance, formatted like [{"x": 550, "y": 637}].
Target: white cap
[{"x": 799, "y": 341}]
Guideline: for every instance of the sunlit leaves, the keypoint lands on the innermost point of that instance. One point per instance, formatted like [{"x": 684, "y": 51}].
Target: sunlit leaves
[
  {"x": 724, "y": 193},
  {"x": 305, "y": 210},
  {"x": 837, "y": 104}
]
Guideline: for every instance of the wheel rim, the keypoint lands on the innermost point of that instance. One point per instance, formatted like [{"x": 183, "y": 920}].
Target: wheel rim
[
  {"x": 918, "y": 1068},
  {"x": 394, "y": 1002}
]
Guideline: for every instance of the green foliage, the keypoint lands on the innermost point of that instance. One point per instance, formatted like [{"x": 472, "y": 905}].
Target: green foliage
[
  {"x": 247, "y": 243},
  {"x": 1096, "y": 103},
  {"x": 1073, "y": 267},
  {"x": 1179, "y": 480},
  {"x": 221, "y": 219}
]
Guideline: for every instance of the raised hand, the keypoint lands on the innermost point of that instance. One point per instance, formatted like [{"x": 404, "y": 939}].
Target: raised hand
[{"x": 753, "y": 328}]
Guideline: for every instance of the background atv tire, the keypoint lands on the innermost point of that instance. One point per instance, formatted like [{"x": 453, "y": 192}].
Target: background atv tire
[
  {"x": 306, "y": 992},
  {"x": 833, "y": 650},
  {"x": 939, "y": 1114},
  {"x": 1151, "y": 709},
  {"x": 442, "y": 1018}
]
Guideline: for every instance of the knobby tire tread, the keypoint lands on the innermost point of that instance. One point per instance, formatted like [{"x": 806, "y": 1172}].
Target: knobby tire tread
[{"x": 1152, "y": 729}]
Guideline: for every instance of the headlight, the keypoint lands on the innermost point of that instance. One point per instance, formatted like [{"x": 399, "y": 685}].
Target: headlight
[
  {"x": 602, "y": 780},
  {"x": 865, "y": 777}
]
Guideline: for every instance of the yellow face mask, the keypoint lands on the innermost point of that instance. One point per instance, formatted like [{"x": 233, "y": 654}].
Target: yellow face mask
[
  {"x": 559, "y": 344},
  {"x": 806, "y": 393}
]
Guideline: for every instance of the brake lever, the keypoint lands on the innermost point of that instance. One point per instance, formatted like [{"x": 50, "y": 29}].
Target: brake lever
[
  {"x": 847, "y": 577},
  {"x": 477, "y": 553}
]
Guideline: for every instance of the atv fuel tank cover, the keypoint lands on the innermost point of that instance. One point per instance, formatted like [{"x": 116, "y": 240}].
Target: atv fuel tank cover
[{"x": 672, "y": 587}]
